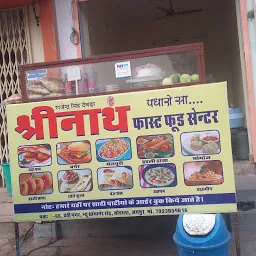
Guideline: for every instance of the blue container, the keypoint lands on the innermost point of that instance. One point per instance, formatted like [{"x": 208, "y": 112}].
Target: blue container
[
  {"x": 7, "y": 178},
  {"x": 213, "y": 244},
  {"x": 236, "y": 118}
]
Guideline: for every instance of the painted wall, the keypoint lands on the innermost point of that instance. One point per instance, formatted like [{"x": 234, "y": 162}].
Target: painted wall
[
  {"x": 250, "y": 4},
  {"x": 85, "y": 34},
  {"x": 64, "y": 26},
  {"x": 35, "y": 37}
]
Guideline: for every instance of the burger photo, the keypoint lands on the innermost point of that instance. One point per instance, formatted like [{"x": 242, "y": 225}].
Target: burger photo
[{"x": 75, "y": 152}]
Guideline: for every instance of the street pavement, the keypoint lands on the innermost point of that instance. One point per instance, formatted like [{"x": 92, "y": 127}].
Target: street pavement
[
  {"x": 112, "y": 246},
  {"x": 159, "y": 245}
]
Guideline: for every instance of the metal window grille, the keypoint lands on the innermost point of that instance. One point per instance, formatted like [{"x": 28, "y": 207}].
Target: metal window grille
[{"x": 15, "y": 49}]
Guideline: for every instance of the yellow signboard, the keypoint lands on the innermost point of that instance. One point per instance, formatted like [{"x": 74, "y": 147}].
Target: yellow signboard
[{"x": 135, "y": 154}]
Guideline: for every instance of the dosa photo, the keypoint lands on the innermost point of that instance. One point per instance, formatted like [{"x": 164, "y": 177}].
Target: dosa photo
[
  {"x": 200, "y": 143},
  {"x": 155, "y": 146},
  {"x": 116, "y": 178}
]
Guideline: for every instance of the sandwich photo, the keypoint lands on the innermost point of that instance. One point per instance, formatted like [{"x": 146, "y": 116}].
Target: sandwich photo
[
  {"x": 35, "y": 155},
  {"x": 116, "y": 178},
  {"x": 74, "y": 152}
]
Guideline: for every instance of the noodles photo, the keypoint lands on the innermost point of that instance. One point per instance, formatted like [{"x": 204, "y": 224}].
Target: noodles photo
[{"x": 203, "y": 173}]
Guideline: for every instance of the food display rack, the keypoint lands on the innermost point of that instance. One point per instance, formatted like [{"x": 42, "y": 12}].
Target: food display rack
[{"x": 151, "y": 69}]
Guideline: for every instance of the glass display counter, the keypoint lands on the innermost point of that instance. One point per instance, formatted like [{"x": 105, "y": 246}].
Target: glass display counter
[{"x": 115, "y": 73}]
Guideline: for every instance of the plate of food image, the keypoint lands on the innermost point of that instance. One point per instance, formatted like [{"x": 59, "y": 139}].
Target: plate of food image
[
  {"x": 35, "y": 184},
  {"x": 113, "y": 149},
  {"x": 201, "y": 143},
  {"x": 203, "y": 173},
  {"x": 74, "y": 153},
  {"x": 155, "y": 146},
  {"x": 116, "y": 178},
  {"x": 72, "y": 181},
  {"x": 160, "y": 175},
  {"x": 34, "y": 156}
]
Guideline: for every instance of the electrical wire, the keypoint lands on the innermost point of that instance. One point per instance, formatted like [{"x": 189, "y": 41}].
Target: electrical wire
[
  {"x": 34, "y": 11},
  {"x": 26, "y": 234},
  {"x": 41, "y": 247}
]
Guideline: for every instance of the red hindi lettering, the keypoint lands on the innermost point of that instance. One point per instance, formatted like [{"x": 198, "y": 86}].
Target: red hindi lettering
[
  {"x": 38, "y": 115},
  {"x": 94, "y": 120},
  {"x": 74, "y": 117},
  {"x": 109, "y": 114},
  {"x": 78, "y": 119},
  {"x": 23, "y": 123}
]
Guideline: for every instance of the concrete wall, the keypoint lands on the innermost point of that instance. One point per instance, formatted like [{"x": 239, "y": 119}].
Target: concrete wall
[
  {"x": 35, "y": 37},
  {"x": 64, "y": 24},
  {"x": 85, "y": 35}
]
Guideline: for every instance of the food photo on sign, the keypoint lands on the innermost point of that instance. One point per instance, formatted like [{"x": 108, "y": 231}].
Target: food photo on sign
[
  {"x": 203, "y": 173},
  {"x": 200, "y": 143},
  {"x": 34, "y": 155},
  {"x": 35, "y": 183},
  {"x": 116, "y": 149},
  {"x": 71, "y": 181},
  {"x": 116, "y": 178},
  {"x": 155, "y": 146},
  {"x": 74, "y": 152},
  {"x": 158, "y": 175}
]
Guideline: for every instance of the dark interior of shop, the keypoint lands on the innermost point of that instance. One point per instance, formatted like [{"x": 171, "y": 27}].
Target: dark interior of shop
[{"x": 135, "y": 25}]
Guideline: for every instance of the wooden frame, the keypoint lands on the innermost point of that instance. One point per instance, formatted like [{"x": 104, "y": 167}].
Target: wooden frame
[
  {"x": 49, "y": 30},
  {"x": 198, "y": 47},
  {"x": 4, "y": 4},
  {"x": 249, "y": 77}
]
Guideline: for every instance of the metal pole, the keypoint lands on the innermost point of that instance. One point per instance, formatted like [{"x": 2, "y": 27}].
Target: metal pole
[
  {"x": 236, "y": 230},
  {"x": 17, "y": 238}
]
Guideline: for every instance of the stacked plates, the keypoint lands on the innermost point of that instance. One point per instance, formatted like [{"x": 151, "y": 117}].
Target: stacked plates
[{"x": 112, "y": 87}]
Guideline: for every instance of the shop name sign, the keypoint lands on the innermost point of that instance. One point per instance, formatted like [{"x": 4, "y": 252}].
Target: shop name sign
[
  {"x": 71, "y": 119},
  {"x": 158, "y": 152},
  {"x": 107, "y": 116}
]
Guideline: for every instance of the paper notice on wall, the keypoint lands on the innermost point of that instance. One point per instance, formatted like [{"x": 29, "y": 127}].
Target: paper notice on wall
[
  {"x": 123, "y": 69},
  {"x": 74, "y": 73},
  {"x": 36, "y": 74}
]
